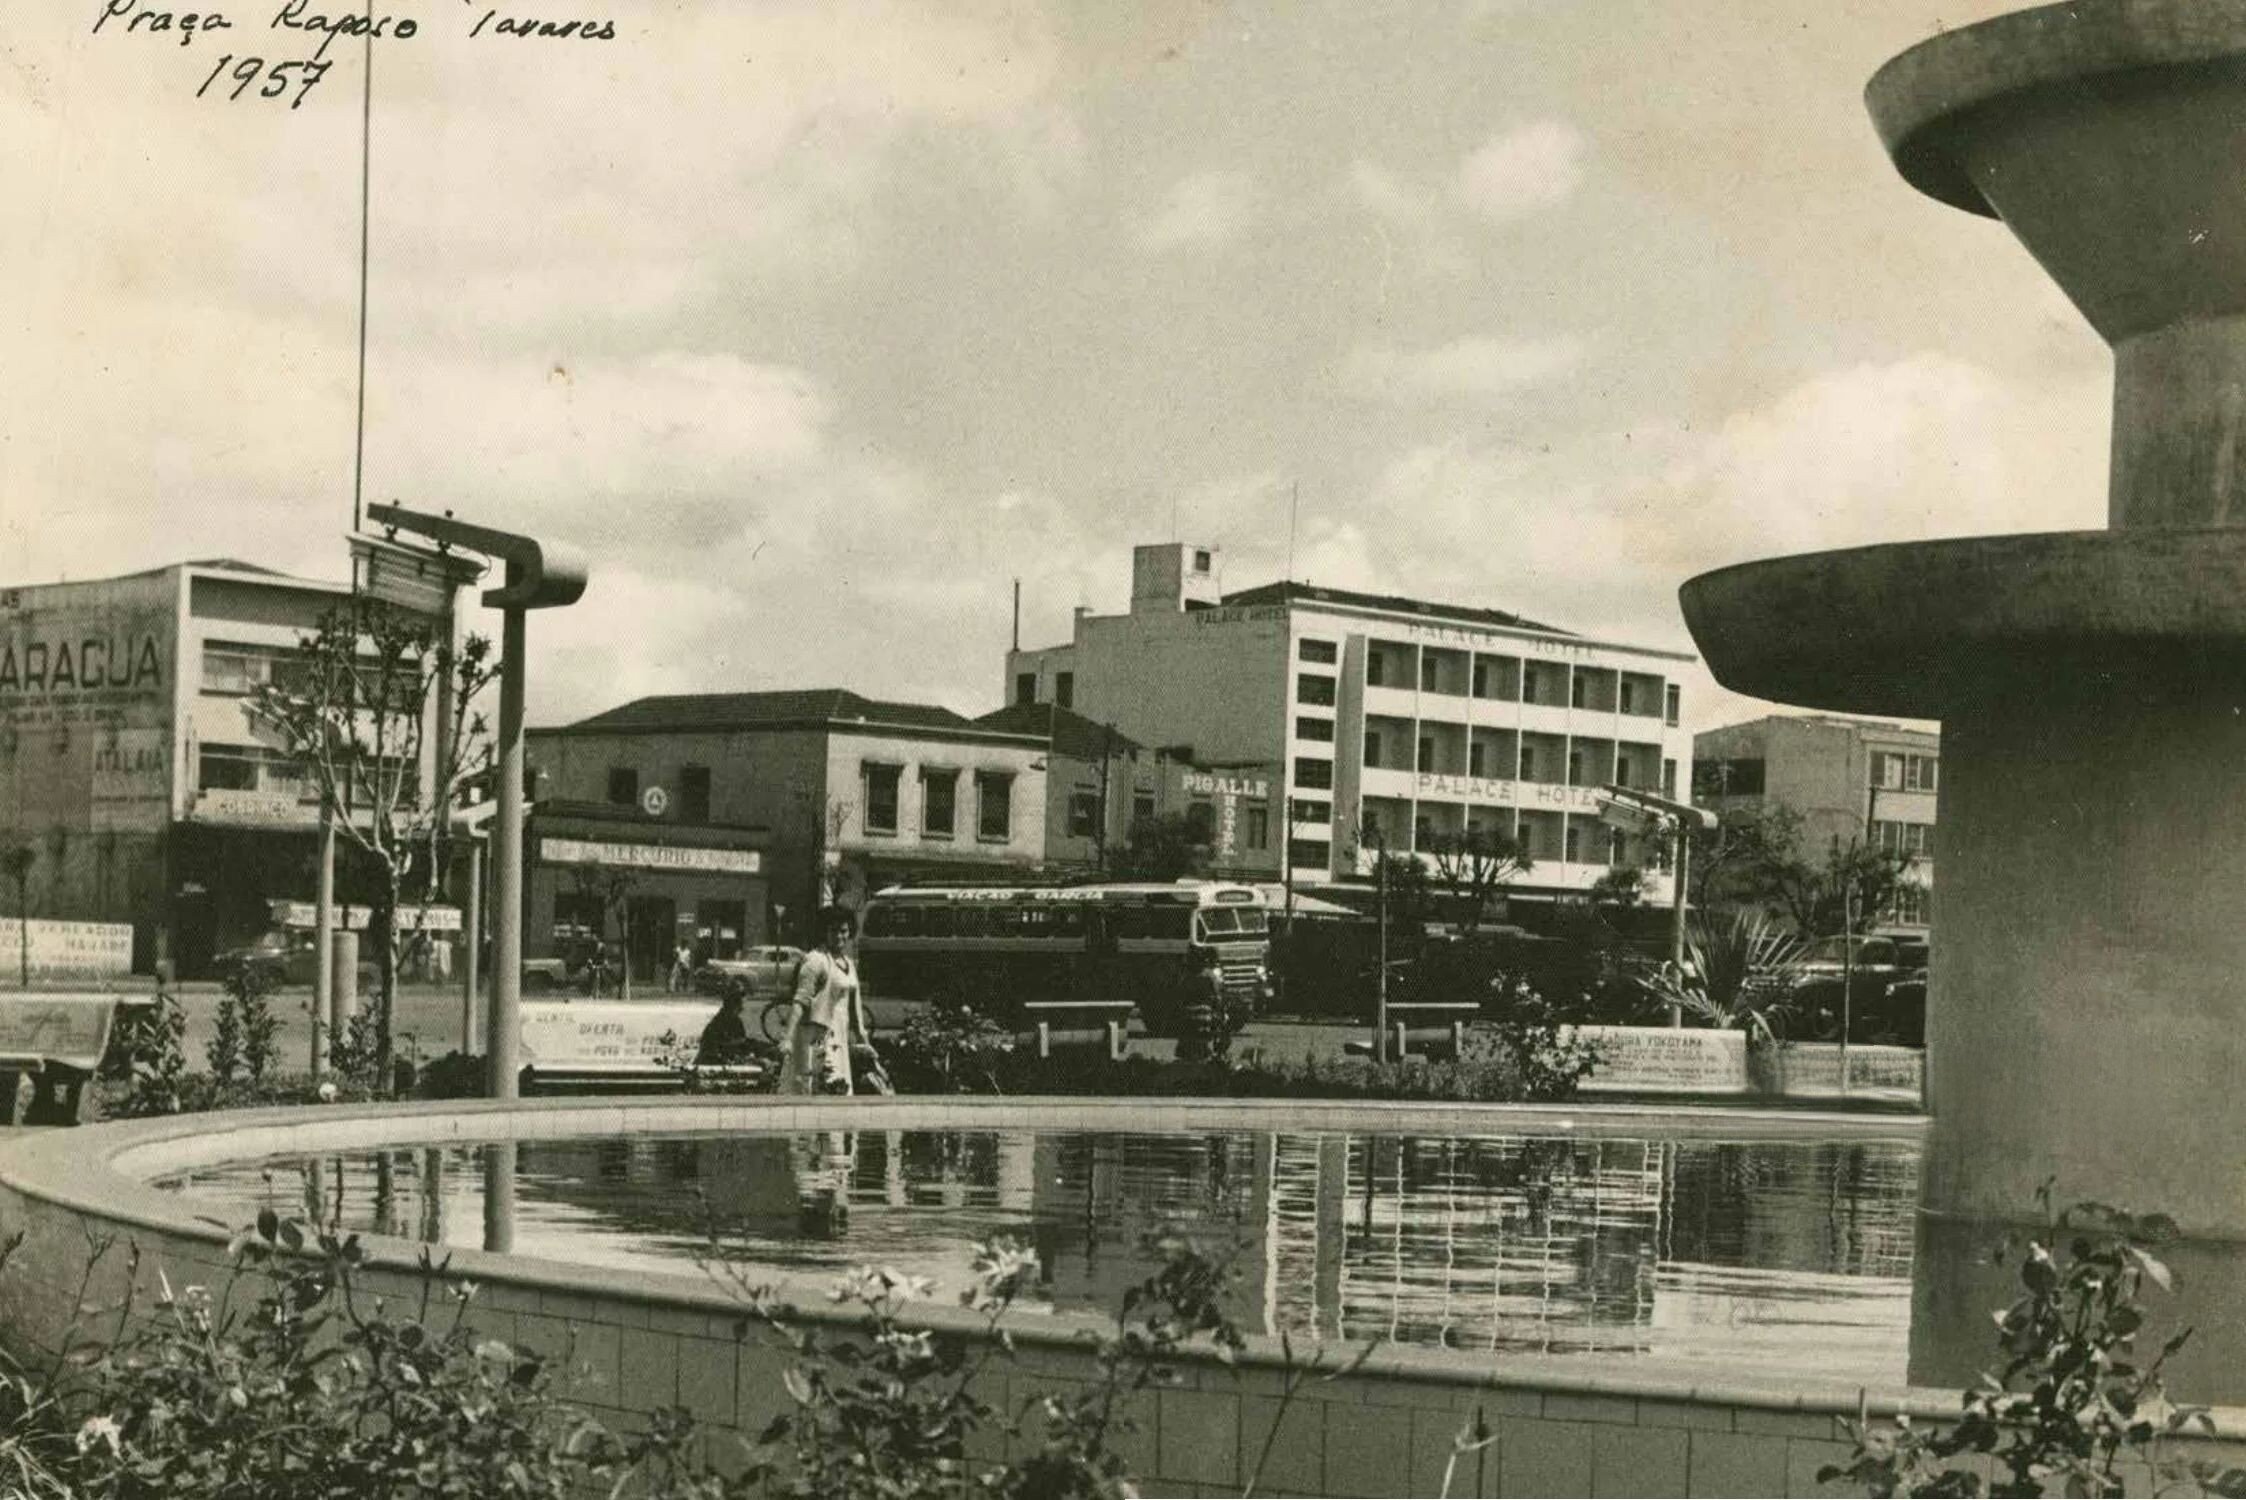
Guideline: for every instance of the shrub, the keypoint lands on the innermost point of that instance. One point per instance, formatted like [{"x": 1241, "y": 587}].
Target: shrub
[
  {"x": 146, "y": 1066},
  {"x": 949, "y": 1048},
  {"x": 2070, "y": 1398}
]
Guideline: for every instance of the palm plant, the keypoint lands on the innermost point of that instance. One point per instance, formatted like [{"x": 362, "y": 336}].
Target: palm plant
[{"x": 1739, "y": 973}]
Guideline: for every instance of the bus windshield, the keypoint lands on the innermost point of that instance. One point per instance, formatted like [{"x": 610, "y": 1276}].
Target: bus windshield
[{"x": 1238, "y": 921}]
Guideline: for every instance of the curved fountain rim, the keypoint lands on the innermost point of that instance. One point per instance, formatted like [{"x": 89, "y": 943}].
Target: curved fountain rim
[
  {"x": 92, "y": 1171},
  {"x": 1922, "y": 89}
]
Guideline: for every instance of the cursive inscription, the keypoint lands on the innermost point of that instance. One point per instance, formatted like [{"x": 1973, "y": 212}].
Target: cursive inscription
[{"x": 244, "y": 76}]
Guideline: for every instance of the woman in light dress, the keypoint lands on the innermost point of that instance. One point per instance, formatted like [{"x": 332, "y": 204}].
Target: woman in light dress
[{"x": 830, "y": 1013}]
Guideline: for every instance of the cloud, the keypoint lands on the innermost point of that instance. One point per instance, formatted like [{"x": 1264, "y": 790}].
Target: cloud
[
  {"x": 1206, "y": 208},
  {"x": 1479, "y": 369},
  {"x": 1523, "y": 171}
]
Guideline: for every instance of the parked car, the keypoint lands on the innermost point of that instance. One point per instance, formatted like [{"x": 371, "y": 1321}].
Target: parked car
[
  {"x": 1884, "y": 977},
  {"x": 767, "y": 970},
  {"x": 286, "y": 957}
]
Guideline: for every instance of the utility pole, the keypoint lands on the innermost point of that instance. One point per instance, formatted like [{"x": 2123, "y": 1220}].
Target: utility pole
[{"x": 1681, "y": 879}]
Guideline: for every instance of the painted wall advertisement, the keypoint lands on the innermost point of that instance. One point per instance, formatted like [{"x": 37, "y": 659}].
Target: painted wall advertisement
[{"x": 86, "y": 695}]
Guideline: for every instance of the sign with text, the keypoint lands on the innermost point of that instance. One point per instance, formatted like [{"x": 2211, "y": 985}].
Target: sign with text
[
  {"x": 617, "y": 1033},
  {"x": 66, "y": 950},
  {"x": 131, "y": 784},
  {"x": 306, "y": 914},
  {"x": 68, "y": 1029},
  {"x": 556, "y": 851},
  {"x": 1699, "y": 1060}
]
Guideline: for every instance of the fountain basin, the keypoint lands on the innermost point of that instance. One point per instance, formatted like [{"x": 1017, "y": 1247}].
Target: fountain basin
[{"x": 1566, "y": 1425}]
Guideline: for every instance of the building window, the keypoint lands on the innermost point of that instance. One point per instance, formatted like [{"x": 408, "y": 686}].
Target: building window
[
  {"x": 1426, "y": 753},
  {"x": 1308, "y": 810},
  {"x": 1904, "y": 838},
  {"x": 1064, "y": 690},
  {"x": 1309, "y": 854},
  {"x": 1895, "y": 772},
  {"x": 1475, "y": 753},
  {"x": 1372, "y": 747},
  {"x": 1627, "y": 699},
  {"x": 1201, "y": 560},
  {"x": 1201, "y": 822},
  {"x": 939, "y": 803},
  {"x": 1255, "y": 830},
  {"x": 1579, "y": 691},
  {"x": 1325, "y": 652},
  {"x": 228, "y": 768},
  {"x": 1142, "y": 808},
  {"x": 1025, "y": 687},
  {"x": 1321, "y": 731},
  {"x": 1427, "y": 672},
  {"x": 994, "y": 805},
  {"x": 1314, "y": 690},
  {"x": 694, "y": 793},
  {"x": 1528, "y": 763},
  {"x": 623, "y": 786},
  {"x": 1914, "y": 905},
  {"x": 1575, "y": 768},
  {"x": 1314, "y": 773},
  {"x": 1668, "y": 778},
  {"x": 1742, "y": 777},
  {"x": 1376, "y": 667},
  {"x": 1573, "y": 844},
  {"x": 1083, "y": 813},
  {"x": 881, "y": 797},
  {"x": 1673, "y": 704}
]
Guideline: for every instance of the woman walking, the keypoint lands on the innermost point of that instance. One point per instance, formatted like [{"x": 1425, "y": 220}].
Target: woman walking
[{"x": 830, "y": 1013}]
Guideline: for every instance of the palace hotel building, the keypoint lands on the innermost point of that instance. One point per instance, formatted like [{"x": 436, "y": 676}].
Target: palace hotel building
[{"x": 1418, "y": 720}]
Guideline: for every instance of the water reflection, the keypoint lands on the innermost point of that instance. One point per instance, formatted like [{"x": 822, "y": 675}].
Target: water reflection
[{"x": 1795, "y": 1256}]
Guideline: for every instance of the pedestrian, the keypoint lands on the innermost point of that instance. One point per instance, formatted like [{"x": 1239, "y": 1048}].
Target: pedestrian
[
  {"x": 682, "y": 967},
  {"x": 725, "y": 1041},
  {"x": 829, "y": 1014},
  {"x": 1204, "y": 1035}
]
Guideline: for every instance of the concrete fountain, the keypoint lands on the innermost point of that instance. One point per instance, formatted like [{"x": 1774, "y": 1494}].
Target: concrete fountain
[{"x": 2087, "y": 1020}]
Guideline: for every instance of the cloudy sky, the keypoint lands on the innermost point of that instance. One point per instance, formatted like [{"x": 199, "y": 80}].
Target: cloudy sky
[{"x": 819, "y": 323}]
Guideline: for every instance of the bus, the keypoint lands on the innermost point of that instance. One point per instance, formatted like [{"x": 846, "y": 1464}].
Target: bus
[{"x": 995, "y": 947}]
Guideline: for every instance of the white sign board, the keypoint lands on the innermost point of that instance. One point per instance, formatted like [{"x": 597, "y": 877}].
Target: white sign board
[
  {"x": 556, "y": 851},
  {"x": 67, "y": 950},
  {"x": 615, "y": 1033}
]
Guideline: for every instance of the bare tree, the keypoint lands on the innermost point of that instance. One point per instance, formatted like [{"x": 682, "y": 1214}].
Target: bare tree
[
  {"x": 354, "y": 709},
  {"x": 1475, "y": 865},
  {"x": 610, "y": 892}
]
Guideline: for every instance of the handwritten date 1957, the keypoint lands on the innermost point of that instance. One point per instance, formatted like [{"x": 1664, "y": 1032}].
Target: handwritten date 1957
[{"x": 279, "y": 77}]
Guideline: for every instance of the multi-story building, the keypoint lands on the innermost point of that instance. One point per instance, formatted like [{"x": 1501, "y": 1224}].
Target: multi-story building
[
  {"x": 1847, "y": 779},
  {"x": 1101, "y": 785},
  {"x": 131, "y": 770},
  {"x": 849, "y": 793},
  {"x": 1419, "y": 721}
]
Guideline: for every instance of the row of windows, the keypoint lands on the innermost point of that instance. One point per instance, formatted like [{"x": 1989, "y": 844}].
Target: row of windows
[
  {"x": 1482, "y": 760},
  {"x": 1577, "y": 840},
  {"x": 939, "y": 801},
  {"x": 1895, "y": 771},
  {"x": 1064, "y": 688},
  {"x": 1538, "y": 685},
  {"x": 1200, "y": 818}
]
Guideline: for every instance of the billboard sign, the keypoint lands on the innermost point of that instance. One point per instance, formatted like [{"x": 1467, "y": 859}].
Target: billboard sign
[
  {"x": 66, "y": 950},
  {"x": 86, "y": 688}
]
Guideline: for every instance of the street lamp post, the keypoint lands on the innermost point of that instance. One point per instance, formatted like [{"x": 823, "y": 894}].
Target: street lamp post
[
  {"x": 1643, "y": 812},
  {"x": 540, "y": 575}
]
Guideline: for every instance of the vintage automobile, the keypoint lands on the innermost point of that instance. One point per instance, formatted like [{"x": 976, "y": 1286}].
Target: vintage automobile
[
  {"x": 285, "y": 957},
  {"x": 1883, "y": 976},
  {"x": 765, "y": 970}
]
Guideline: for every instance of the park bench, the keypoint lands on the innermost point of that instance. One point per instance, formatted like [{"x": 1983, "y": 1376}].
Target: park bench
[
  {"x": 59, "y": 1041},
  {"x": 619, "y": 1046},
  {"x": 1438, "y": 1026}
]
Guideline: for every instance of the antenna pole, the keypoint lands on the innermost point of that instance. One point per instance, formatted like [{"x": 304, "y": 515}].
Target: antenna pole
[
  {"x": 1294, "y": 509},
  {"x": 1017, "y": 614}
]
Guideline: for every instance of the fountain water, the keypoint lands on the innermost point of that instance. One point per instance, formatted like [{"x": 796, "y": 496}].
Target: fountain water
[{"x": 2087, "y": 1020}]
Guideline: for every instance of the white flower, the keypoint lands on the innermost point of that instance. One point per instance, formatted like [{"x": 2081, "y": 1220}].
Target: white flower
[
  {"x": 100, "y": 1430},
  {"x": 327, "y": 1091}
]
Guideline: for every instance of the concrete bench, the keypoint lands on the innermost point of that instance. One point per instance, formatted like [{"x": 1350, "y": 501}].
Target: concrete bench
[
  {"x": 618, "y": 1046},
  {"x": 59, "y": 1040},
  {"x": 1054, "y": 1023},
  {"x": 1434, "y": 1024}
]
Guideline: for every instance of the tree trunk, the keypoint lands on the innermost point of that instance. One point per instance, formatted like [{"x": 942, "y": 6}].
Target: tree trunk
[{"x": 384, "y": 930}]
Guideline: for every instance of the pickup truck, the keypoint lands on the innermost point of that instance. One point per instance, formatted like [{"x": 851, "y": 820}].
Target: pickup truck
[{"x": 1885, "y": 981}]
